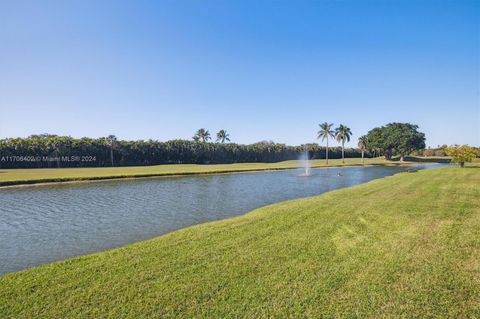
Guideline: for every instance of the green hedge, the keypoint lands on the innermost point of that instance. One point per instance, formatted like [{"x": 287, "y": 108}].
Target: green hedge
[{"x": 35, "y": 149}]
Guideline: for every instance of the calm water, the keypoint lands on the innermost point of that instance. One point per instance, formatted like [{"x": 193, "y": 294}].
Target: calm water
[{"x": 47, "y": 223}]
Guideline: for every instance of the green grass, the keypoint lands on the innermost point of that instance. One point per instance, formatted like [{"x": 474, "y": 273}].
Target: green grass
[
  {"x": 403, "y": 246},
  {"x": 33, "y": 176}
]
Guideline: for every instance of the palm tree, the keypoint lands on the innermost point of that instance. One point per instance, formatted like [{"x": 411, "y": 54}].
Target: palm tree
[
  {"x": 202, "y": 135},
  {"x": 111, "y": 141},
  {"x": 223, "y": 136},
  {"x": 343, "y": 133},
  {"x": 362, "y": 144},
  {"x": 324, "y": 133}
]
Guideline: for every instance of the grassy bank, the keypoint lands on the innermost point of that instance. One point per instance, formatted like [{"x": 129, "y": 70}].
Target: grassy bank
[
  {"x": 44, "y": 175},
  {"x": 403, "y": 246}
]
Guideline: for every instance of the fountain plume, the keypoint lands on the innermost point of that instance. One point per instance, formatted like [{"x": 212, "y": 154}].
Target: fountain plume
[{"x": 304, "y": 162}]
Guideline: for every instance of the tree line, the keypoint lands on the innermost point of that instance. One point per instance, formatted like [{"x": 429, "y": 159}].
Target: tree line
[
  {"x": 45, "y": 150},
  {"x": 39, "y": 151}
]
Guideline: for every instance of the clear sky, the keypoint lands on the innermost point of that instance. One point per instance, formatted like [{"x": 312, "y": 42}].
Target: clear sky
[{"x": 262, "y": 70}]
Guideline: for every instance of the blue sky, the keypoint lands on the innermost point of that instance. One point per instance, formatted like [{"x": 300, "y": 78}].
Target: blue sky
[{"x": 262, "y": 70}]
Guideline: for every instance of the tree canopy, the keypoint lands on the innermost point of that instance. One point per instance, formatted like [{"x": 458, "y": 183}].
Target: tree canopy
[
  {"x": 461, "y": 154},
  {"x": 223, "y": 136},
  {"x": 202, "y": 135},
  {"x": 396, "y": 139}
]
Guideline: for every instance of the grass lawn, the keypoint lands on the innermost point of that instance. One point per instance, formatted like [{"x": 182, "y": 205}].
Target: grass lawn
[
  {"x": 42, "y": 175},
  {"x": 403, "y": 246}
]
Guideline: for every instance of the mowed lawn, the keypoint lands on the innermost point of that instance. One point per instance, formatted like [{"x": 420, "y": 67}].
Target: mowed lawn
[
  {"x": 31, "y": 176},
  {"x": 402, "y": 246}
]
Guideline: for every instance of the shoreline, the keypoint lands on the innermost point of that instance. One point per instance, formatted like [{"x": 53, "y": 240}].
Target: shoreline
[{"x": 96, "y": 179}]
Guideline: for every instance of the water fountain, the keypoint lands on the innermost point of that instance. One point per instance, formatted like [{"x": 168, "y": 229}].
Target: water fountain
[{"x": 304, "y": 162}]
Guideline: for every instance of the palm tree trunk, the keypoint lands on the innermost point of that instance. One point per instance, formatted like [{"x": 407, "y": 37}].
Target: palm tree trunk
[
  {"x": 327, "y": 151},
  {"x": 111, "y": 155},
  {"x": 343, "y": 151},
  {"x": 363, "y": 159}
]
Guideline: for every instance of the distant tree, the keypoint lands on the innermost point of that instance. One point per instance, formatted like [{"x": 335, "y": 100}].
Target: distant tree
[
  {"x": 43, "y": 135},
  {"x": 396, "y": 138},
  {"x": 264, "y": 142},
  {"x": 202, "y": 135},
  {"x": 342, "y": 134},
  {"x": 461, "y": 154},
  {"x": 440, "y": 152},
  {"x": 362, "y": 145},
  {"x": 111, "y": 142},
  {"x": 325, "y": 133},
  {"x": 428, "y": 152},
  {"x": 223, "y": 136}
]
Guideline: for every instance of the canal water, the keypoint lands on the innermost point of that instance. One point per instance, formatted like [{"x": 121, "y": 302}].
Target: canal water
[{"x": 42, "y": 224}]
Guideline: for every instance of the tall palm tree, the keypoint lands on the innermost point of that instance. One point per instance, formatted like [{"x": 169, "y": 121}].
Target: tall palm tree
[
  {"x": 202, "y": 135},
  {"x": 111, "y": 141},
  {"x": 362, "y": 144},
  {"x": 343, "y": 133},
  {"x": 223, "y": 136},
  {"x": 324, "y": 133}
]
